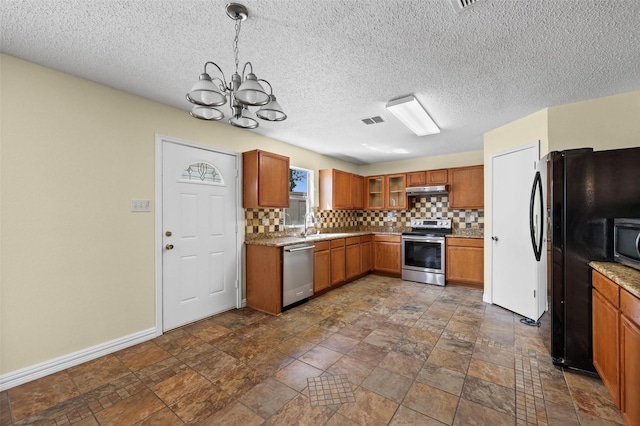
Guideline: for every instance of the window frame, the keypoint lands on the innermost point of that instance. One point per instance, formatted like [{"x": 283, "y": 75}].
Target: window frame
[{"x": 309, "y": 199}]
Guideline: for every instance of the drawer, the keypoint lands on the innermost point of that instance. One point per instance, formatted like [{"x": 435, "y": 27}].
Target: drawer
[
  {"x": 606, "y": 287},
  {"x": 353, "y": 240},
  {"x": 366, "y": 238},
  {"x": 387, "y": 238},
  {"x": 323, "y": 245},
  {"x": 630, "y": 306},
  {"x": 339, "y": 242},
  {"x": 465, "y": 242}
]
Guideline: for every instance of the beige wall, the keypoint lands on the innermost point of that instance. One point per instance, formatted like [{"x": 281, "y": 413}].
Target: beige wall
[
  {"x": 470, "y": 158},
  {"x": 604, "y": 123},
  {"x": 77, "y": 265}
]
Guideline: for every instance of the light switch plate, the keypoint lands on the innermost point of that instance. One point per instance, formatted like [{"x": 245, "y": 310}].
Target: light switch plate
[{"x": 140, "y": 205}]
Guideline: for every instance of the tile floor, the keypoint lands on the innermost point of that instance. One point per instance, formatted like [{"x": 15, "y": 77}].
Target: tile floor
[{"x": 378, "y": 351}]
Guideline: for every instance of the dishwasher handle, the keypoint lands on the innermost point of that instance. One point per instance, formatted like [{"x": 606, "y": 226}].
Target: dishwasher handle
[{"x": 299, "y": 249}]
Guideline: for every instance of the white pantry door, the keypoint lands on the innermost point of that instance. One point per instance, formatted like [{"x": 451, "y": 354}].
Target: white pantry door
[
  {"x": 514, "y": 269},
  {"x": 200, "y": 256}
]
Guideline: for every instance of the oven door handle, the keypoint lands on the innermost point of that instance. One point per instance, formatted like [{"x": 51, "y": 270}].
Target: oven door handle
[{"x": 424, "y": 239}]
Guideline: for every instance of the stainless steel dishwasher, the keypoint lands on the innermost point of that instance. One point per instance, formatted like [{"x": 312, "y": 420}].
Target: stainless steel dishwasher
[{"x": 297, "y": 273}]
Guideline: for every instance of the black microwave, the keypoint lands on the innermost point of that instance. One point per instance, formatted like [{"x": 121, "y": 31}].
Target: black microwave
[{"x": 626, "y": 242}]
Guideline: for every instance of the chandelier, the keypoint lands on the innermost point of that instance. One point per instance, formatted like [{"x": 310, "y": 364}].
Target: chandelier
[{"x": 243, "y": 92}]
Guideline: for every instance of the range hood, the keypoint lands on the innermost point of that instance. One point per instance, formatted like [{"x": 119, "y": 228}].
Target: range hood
[{"x": 427, "y": 190}]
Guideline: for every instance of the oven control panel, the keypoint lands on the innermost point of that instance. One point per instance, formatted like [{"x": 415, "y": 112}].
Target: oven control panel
[{"x": 431, "y": 223}]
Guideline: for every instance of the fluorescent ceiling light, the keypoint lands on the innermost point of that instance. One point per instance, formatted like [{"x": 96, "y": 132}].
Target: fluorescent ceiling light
[
  {"x": 413, "y": 115},
  {"x": 387, "y": 151}
]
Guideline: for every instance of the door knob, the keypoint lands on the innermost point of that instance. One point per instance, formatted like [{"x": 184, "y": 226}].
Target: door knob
[
  {"x": 494, "y": 238},
  {"x": 169, "y": 246}
]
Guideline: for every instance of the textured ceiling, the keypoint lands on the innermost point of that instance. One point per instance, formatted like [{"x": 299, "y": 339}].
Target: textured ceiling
[{"x": 332, "y": 63}]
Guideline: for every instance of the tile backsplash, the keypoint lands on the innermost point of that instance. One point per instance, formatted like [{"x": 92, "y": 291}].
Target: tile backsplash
[{"x": 262, "y": 221}]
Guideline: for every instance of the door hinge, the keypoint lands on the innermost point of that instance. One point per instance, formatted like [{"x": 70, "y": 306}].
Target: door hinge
[
  {"x": 236, "y": 283},
  {"x": 534, "y": 294}
]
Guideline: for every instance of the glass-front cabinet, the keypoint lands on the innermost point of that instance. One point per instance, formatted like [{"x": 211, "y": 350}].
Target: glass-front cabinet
[
  {"x": 386, "y": 192},
  {"x": 395, "y": 197},
  {"x": 375, "y": 192}
]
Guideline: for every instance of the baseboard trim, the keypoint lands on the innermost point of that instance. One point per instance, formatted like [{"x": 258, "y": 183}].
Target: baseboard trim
[
  {"x": 42, "y": 369},
  {"x": 243, "y": 303},
  {"x": 486, "y": 299}
]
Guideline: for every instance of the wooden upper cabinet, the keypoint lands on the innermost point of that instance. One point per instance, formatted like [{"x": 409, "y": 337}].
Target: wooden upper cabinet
[
  {"x": 265, "y": 180},
  {"x": 395, "y": 195},
  {"x": 340, "y": 190},
  {"x": 437, "y": 177},
  {"x": 357, "y": 192},
  {"x": 386, "y": 192},
  {"x": 428, "y": 177},
  {"x": 466, "y": 188},
  {"x": 374, "y": 192},
  {"x": 417, "y": 178}
]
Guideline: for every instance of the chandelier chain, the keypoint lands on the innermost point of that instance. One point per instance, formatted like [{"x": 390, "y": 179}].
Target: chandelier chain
[{"x": 235, "y": 42}]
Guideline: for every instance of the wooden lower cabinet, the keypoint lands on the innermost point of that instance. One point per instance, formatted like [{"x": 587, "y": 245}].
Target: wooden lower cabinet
[
  {"x": 464, "y": 260},
  {"x": 264, "y": 278},
  {"x": 630, "y": 358},
  {"x": 387, "y": 255},
  {"x": 366, "y": 254},
  {"x": 352, "y": 257},
  {"x": 322, "y": 266},
  {"x": 338, "y": 272},
  {"x": 335, "y": 262},
  {"x": 606, "y": 358},
  {"x": 616, "y": 344}
]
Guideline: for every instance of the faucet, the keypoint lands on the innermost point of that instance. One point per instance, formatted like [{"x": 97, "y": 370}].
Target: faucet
[{"x": 308, "y": 214}]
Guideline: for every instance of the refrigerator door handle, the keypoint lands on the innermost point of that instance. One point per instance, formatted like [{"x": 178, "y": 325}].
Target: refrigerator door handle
[{"x": 536, "y": 189}]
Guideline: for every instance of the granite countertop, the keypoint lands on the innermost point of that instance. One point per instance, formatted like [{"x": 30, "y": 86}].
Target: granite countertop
[
  {"x": 281, "y": 241},
  {"x": 625, "y": 277},
  {"x": 467, "y": 233}
]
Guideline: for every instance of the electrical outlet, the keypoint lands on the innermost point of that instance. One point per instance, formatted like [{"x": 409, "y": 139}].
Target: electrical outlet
[{"x": 140, "y": 205}]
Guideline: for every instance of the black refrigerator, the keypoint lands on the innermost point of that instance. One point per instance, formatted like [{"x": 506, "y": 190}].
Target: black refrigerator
[{"x": 587, "y": 190}]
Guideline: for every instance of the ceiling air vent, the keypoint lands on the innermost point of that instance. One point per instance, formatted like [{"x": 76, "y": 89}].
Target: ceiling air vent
[
  {"x": 460, "y": 5},
  {"x": 373, "y": 120}
]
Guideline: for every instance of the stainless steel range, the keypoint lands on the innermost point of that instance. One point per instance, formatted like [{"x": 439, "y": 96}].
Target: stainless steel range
[{"x": 423, "y": 254}]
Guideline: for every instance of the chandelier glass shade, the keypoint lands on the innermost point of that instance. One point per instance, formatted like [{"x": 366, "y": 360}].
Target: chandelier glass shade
[{"x": 242, "y": 92}]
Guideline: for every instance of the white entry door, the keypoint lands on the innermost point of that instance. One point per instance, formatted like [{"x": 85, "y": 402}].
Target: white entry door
[
  {"x": 515, "y": 271},
  {"x": 199, "y": 233}
]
